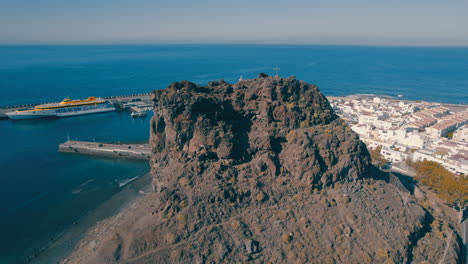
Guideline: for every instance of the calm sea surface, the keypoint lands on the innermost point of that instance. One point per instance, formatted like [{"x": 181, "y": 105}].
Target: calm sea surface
[
  {"x": 30, "y": 74},
  {"x": 43, "y": 191}
]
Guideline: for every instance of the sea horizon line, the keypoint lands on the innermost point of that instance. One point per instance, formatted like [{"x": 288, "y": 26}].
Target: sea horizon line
[{"x": 226, "y": 44}]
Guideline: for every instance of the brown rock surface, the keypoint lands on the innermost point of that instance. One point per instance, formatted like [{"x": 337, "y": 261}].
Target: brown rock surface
[{"x": 263, "y": 171}]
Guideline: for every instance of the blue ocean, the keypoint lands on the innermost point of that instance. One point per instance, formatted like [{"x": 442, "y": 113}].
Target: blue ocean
[{"x": 43, "y": 192}]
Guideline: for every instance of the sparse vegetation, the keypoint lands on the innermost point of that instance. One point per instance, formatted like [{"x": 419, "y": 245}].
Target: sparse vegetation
[
  {"x": 447, "y": 185},
  {"x": 304, "y": 124},
  {"x": 180, "y": 217},
  {"x": 377, "y": 158},
  {"x": 382, "y": 254},
  {"x": 291, "y": 105},
  {"x": 236, "y": 224},
  {"x": 286, "y": 238},
  {"x": 184, "y": 181},
  {"x": 291, "y": 136},
  {"x": 170, "y": 238},
  {"x": 409, "y": 162},
  {"x": 183, "y": 203},
  {"x": 450, "y": 135},
  {"x": 261, "y": 196}
]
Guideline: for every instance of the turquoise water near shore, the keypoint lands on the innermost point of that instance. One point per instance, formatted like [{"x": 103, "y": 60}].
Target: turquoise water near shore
[{"x": 43, "y": 192}]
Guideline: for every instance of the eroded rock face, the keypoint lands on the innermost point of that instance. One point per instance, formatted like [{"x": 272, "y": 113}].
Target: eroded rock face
[
  {"x": 267, "y": 126},
  {"x": 263, "y": 171}
]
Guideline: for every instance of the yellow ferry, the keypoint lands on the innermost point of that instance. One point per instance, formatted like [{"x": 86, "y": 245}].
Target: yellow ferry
[{"x": 66, "y": 108}]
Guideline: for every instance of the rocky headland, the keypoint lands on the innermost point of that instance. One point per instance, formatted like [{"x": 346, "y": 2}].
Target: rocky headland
[{"x": 264, "y": 171}]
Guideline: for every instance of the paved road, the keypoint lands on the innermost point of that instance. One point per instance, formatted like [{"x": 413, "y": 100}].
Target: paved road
[
  {"x": 464, "y": 221},
  {"x": 400, "y": 170},
  {"x": 465, "y": 238}
]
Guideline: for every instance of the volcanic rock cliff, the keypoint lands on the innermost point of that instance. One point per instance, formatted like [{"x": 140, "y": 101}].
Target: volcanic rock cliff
[
  {"x": 264, "y": 171},
  {"x": 260, "y": 129}
]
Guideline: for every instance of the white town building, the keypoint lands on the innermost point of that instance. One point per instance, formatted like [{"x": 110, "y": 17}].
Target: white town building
[
  {"x": 393, "y": 155},
  {"x": 461, "y": 134}
]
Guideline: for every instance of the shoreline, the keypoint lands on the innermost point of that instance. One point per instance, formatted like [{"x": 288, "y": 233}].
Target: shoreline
[
  {"x": 64, "y": 244},
  {"x": 393, "y": 98}
]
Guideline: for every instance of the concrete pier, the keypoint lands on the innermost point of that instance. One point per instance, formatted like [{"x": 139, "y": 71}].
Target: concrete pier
[{"x": 121, "y": 151}]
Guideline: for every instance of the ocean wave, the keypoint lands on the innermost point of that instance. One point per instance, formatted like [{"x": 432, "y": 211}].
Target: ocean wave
[
  {"x": 127, "y": 181},
  {"x": 76, "y": 191}
]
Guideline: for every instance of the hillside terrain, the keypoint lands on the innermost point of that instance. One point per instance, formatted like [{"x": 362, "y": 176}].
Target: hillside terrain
[{"x": 264, "y": 171}]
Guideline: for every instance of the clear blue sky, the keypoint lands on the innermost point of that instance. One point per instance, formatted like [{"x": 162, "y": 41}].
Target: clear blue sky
[{"x": 360, "y": 22}]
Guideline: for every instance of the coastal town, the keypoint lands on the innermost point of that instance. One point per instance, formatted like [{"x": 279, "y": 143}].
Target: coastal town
[{"x": 409, "y": 131}]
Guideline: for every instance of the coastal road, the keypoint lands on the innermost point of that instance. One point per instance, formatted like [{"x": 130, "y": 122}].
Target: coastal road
[
  {"x": 400, "y": 170},
  {"x": 464, "y": 221}
]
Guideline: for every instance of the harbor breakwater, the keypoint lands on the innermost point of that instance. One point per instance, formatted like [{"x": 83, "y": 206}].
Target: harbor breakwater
[{"x": 124, "y": 151}]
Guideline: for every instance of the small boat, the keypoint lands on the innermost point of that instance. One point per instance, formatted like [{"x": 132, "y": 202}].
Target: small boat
[{"x": 138, "y": 114}]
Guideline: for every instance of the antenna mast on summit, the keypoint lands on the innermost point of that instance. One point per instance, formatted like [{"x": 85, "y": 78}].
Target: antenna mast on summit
[{"x": 276, "y": 69}]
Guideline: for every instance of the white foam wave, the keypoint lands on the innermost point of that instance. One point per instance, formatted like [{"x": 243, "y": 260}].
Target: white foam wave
[{"x": 127, "y": 181}]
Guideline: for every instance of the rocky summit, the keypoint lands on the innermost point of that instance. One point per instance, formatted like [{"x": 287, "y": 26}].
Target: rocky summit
[{"x": 264, "y": 171}]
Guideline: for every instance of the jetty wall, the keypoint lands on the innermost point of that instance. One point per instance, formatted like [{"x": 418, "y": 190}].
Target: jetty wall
[{"x": 121, "y": 151}]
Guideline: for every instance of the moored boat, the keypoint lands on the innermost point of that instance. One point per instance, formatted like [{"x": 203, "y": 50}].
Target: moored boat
[
  {"x": 138, "y": 114},
  {"x": 67, "y": 107}
]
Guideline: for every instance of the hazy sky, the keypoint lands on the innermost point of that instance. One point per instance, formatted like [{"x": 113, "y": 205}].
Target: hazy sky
[{"x": 362, "y": 22}]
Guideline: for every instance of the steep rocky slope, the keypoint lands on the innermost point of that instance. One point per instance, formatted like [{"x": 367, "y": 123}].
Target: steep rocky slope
[{"x": 263, "y": 171}]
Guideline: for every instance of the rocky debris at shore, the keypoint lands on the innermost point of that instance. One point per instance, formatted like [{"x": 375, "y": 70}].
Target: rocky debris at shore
[{"x": 263, "y": 171}]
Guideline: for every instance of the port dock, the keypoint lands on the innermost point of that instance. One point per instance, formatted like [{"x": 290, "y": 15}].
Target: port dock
[
  {"x": 122, "y": 151},
  {"x": 121, "y": 102}
]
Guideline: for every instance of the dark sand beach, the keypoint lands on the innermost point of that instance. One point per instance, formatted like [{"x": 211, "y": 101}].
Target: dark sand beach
[{"x": 66, "y": 242}]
